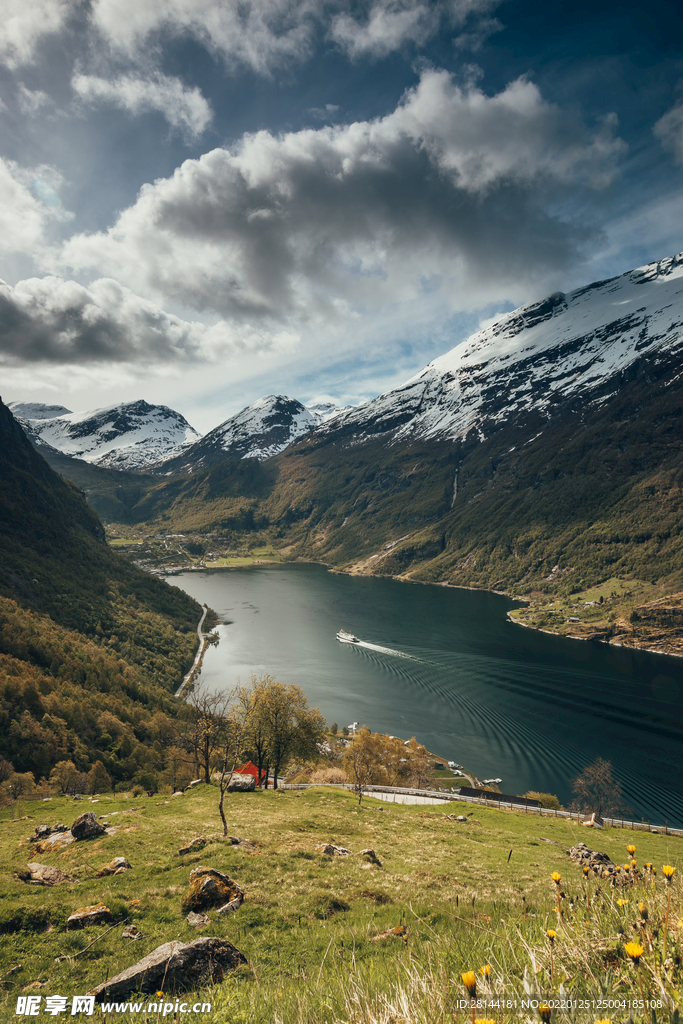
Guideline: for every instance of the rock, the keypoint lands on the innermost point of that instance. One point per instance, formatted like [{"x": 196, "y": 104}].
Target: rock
[
  {"x": 117, "y": 866},
  {"x": 234, "y": 904},
  {"x": 461, "y": 817},
  {"x": 197, "y": 844},
  {"x": 84, "y": 917},
  {"x": 332, "y": 850},
  {"x": 196, "y": 782},
  {"x": 78, "y": 797},
  {"x": 242, "y": 784},
  {"x": 56, "y": 841},
  {"x": 177, "y": 794},
  {"x": 598, "y": 862},
  {"x": 399, "y": 932},
  {"x": 43, "y": 874},
  {"x": 43, "y": 831},
  {"x": 371, "y": 856},
  {"x": 210, "y": 888},
  {"x": 86, "y": 826},
  {"x": 131, "y": 932},
  {"x": 197, "y": 920},
  {"x": 175, "y": 966}
]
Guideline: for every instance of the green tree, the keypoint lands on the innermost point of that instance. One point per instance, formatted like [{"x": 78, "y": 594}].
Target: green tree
[
  {"x": 292, "y": 728},
  {"x": 98, "y": 779},
  {"x": 64, "y": 776}
]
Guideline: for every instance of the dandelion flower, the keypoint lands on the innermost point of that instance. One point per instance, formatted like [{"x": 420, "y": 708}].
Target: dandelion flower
[
  {"x": 627, "y": 867},
  {"x": 648, "y": 865},
  {"x": 631, "y": 850},
  {"x": 544, "y": 1012},
  {"x": 622, "y": 903},
  {"x": 551, "y": 933},
  {"x": 556, "y": 877},
  {"x": 643, "y": 911},
  {"x": 585, "y": 870},
  {"x": 603, "y": 1022},
  {"x": 668, "y": 871},
  {"x": 469, "y": 980},
  {"x": 485, "y": 970},
  {"x": 160, "y": 994},
  {"x": 633, "y": 864},
  {"x": 483, "y": 1020},
  {"x": 634, "y": 950}
]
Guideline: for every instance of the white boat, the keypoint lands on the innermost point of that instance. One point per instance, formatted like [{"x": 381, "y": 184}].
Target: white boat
[{"x": 347, "y": 638}]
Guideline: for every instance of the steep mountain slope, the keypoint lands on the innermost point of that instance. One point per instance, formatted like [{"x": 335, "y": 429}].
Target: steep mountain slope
[
  {"x": 129, "y": 436},
  {"x": 83, "y": 633},
  {"x": 533, "y": 359},
  {"x": 260, "y": 431}
]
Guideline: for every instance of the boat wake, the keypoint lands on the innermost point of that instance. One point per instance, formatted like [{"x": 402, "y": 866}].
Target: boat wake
[{"x": 385, "y": 650}]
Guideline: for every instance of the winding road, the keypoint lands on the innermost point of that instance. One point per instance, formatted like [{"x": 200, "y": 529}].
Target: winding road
[{"x": 198, "y": 655}]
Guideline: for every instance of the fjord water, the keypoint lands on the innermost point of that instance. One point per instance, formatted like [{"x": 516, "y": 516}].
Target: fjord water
[{"x": 504, "y": 701}]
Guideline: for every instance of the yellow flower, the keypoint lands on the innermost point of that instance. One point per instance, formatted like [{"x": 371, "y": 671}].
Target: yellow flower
[
  {"x": 544, "y": 1012},
  {"x": 585, "y": 870},
  {"x": 556, "y": 877},
  {"x": 603, "y": 1022},
  {"x": 643, "y": 911},
  {"x": 469, "y": 980},
  {"x": 483, "y": 1020},
  {"x": 627, "y": 867},
  {"x": 648, "y": 865},
  {"x": 622, "y": 903},
  {"x": 634, "y": 951},
  {"x": 633, "y": 864},
  {"x": 631, "y": 850},
  {"x": 551, "y": 933},
  {"x": 160, "y": 994},
  {"x": 668, "y": 871},
  {"x": 485, "y": 970}
]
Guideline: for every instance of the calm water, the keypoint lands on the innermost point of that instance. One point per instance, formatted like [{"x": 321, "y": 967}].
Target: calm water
[{"x": 502, "y": 700}]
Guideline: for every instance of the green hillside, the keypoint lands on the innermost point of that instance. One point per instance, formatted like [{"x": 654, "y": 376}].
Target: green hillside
[
  {"x": 91, "y": 648},
  {"x": 467, "y": 894}
]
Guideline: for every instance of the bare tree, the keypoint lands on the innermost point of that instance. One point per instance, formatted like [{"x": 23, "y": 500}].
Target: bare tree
[
  {"x": 597, "y": 791},
  {"x": 204, "y": 735}
]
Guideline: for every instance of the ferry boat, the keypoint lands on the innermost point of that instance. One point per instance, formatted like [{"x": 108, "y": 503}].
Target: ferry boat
[{"x": 347, "y": 638}]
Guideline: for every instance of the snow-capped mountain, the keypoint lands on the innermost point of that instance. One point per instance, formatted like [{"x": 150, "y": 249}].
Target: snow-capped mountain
[
  {"x": 131, "y": 435},
  {"x": 261, "y": 430},
  {"x": 36, "y": 410},
  {"x": 532, "y": 359},
  {"x": 326, "y": 410}
]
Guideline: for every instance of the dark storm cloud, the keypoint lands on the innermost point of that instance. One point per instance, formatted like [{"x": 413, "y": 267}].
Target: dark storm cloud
[
  {"x": 52, "y": 320},
  {"x": 453, "y": 186}
]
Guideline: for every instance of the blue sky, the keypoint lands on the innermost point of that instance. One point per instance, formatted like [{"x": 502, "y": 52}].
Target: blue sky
[{"x": 202, "y": 202}]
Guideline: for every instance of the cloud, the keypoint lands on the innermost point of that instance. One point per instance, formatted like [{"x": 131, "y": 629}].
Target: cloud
[
  {"x": 387, "y": 25},
  {"x": 25, "y": 23},
  {"x": 669, "y": 131},
  {"x": 260, "y": 34},
  {"x": 31, "y": 100},
  {"x": 451, "y": 193},
  {"x": 25, "y": 213},
  {"x": 52, "y": 320},
  {"x": 182, "y": 107}
]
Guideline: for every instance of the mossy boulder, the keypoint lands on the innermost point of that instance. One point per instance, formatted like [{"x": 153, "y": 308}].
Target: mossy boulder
[{"x": 210, "y": 888}]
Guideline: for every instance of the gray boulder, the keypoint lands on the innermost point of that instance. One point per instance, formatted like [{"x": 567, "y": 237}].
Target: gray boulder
[
  {"x": 175, "y": 966},
  {"x": 242, "y": 784},
  {"x": 86, "y": 826},
  {"x": 43, "y": 874},
  {"x": 197, "y": 844},
  {"x": 84, "y": 917}
]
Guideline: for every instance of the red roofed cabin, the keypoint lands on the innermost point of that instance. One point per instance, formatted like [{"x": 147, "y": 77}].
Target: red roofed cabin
[{"x": 251, "y": 769}]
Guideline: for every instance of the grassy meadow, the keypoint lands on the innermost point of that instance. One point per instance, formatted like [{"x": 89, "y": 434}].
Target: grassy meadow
[{"x": 468, "y": 895}]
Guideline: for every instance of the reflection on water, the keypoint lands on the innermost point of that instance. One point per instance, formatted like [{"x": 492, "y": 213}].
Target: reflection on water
[{"x": 502, "y": 700}]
